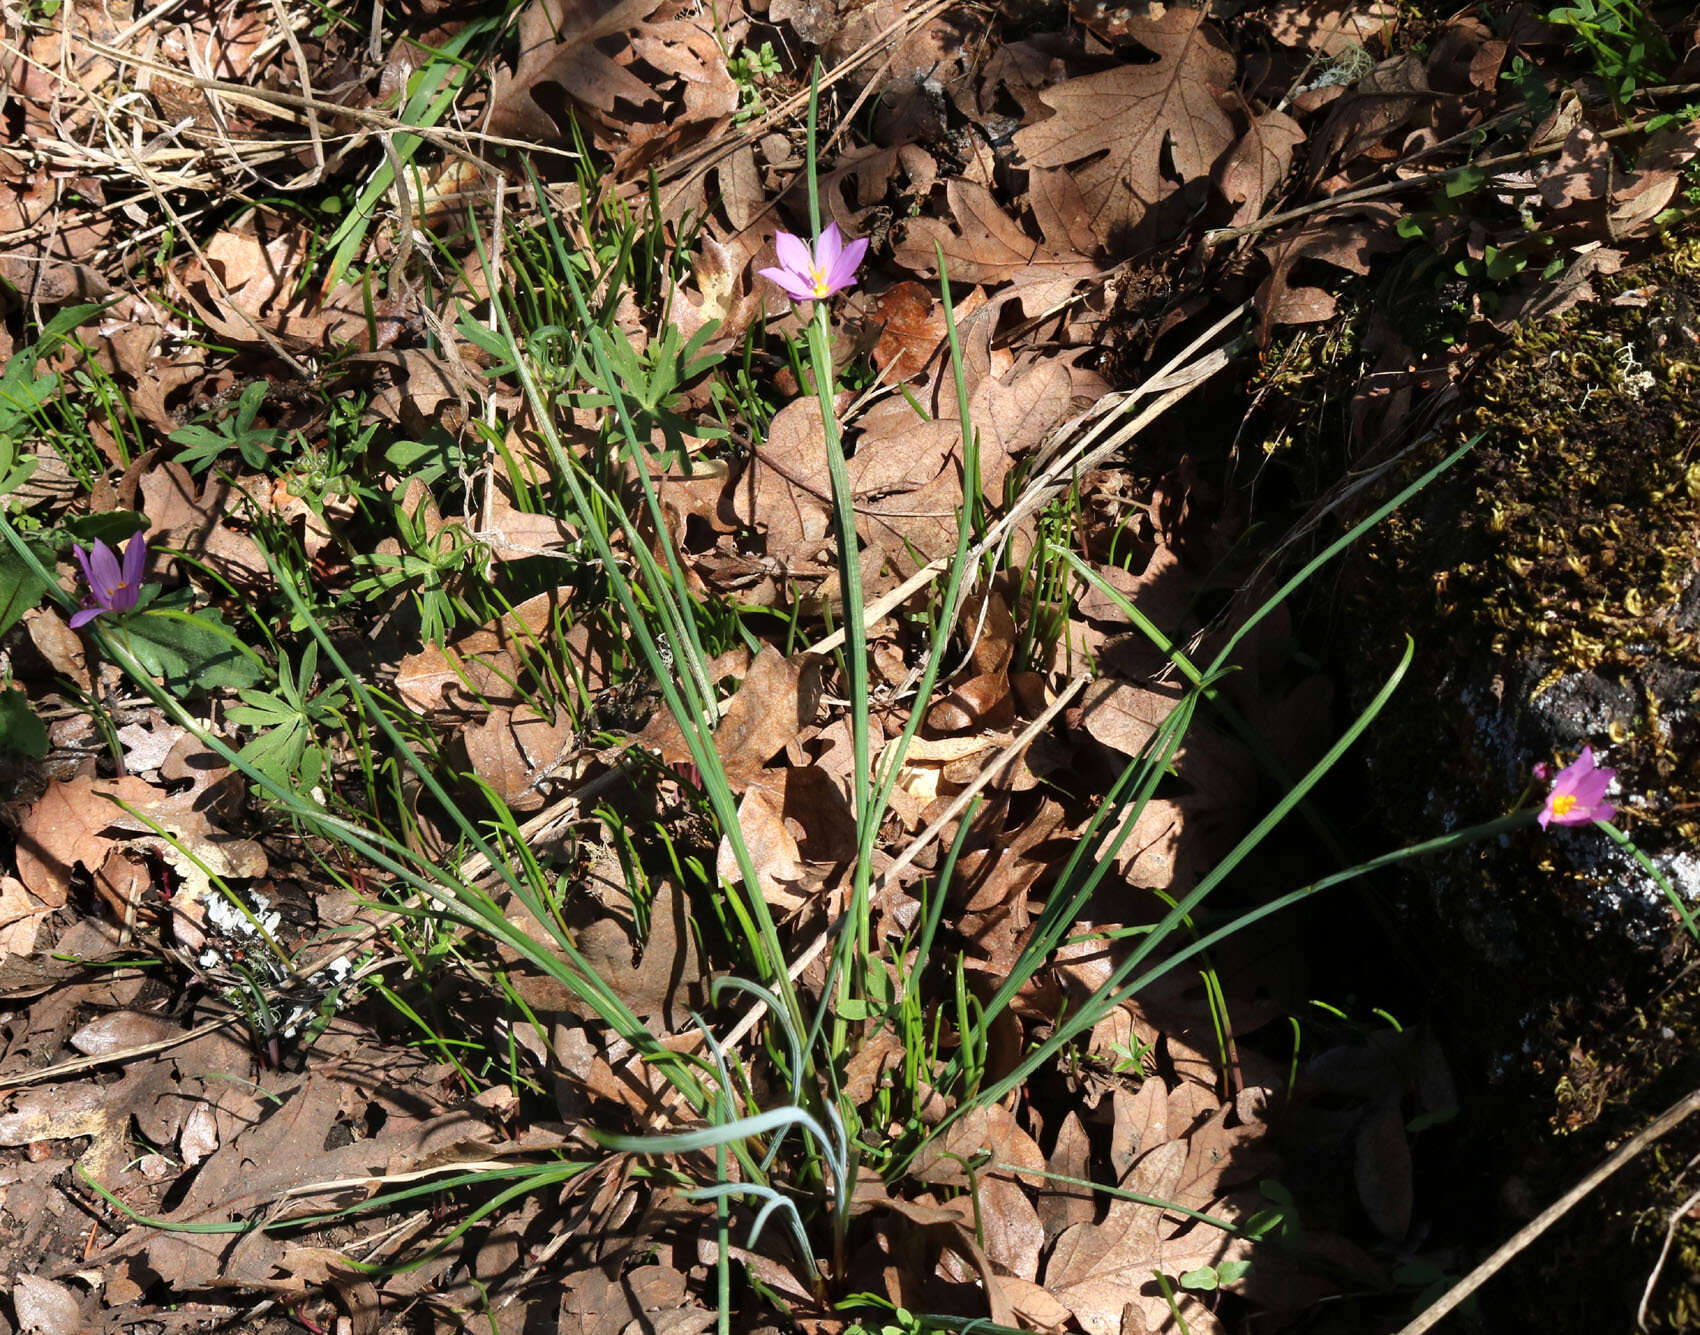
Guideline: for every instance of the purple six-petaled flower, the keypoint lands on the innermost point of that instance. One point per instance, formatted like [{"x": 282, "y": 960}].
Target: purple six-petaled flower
[
  {"x": 113, "y": 587},
  {"x": 1578, "y": 794},
  {"x": 811, "y": 274}
]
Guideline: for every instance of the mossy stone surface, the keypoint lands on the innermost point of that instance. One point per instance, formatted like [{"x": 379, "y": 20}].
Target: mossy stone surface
[{"x": 1552, "y": 584}]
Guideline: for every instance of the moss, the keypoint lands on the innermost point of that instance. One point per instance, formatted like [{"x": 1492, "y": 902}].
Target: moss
[{"x": 1559, "y": 555}]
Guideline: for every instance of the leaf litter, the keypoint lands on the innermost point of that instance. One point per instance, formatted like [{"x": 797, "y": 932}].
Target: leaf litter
[{"x": 1091, "y": 189}]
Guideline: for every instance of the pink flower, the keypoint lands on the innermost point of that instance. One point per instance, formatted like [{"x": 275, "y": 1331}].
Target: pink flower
[
  {"x": 1578, "y": 794},
  {"x": 111, "y": 588},
  {"x": 811, "y": 275}
]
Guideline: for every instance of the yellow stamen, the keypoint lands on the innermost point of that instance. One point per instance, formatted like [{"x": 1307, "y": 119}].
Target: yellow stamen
[
  {"x": 1563, "y": 804},
  {"x": 818, "y": 277}
]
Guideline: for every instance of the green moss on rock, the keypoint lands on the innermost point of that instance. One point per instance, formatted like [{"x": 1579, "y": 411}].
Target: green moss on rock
[{"x": 1552, "y": 583}]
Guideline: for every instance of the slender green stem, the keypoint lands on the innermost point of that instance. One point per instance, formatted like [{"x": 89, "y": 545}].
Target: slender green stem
[{"x": 855, "y": 646}]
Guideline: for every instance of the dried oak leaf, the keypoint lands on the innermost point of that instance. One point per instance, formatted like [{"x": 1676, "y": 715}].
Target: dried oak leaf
[
  {"x": 86, "y": 1108},
  {"x": 61, "y": 646},
  {"x": 246, "y": 282},
  {"x": 1062, "y": 1204},
  {"x": 45, "y": 237},
  {"x": 1345, "y": 239},
  {"x": 1381, "y": 1167},
  {"x": 44, "y": 1307},
  {"x": 777, "y": 698},
  {"x": 80, "y": 820},
  {"x": 773, "y": 850},
  {"x": 1659, "y": 170},
  {"x": 20, "y": 917},
  {"x": 983, "y": 244},
  {"x": 1095, "y": 1269},
  {"x": 282, "y": 1154},
  {"x": 1158, "y": 127},
  {"x": 562, "y": 65},
  {"x": 1259, "y": 164},
  {"x": 196, "y": 521},
  {"x": 948, "y": 1227},
  {"x": 912, "y": 327},
  {"x": 513, "y": 749},
  {"x": 651, "y": 1298},
  {"x": 1362, "y": 122},
  {"x": 483, "y": 667},
  {"x": 666, "y": 982}
]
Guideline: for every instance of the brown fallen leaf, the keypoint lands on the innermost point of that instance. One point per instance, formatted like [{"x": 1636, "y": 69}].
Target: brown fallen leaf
[
  {"x": 101, "y": 1112},
  {"x": 482, "y": 668},
  {"x": 1329, "y": 27},
  {"x": 71, "y": 822},
  {"x": 780, "y": 874},
  {"x": 947, "y": 1226},
  {"x": 663, "y": 986},
  {"x": 651, "y": 1298},
  {"x": 194, "y": 518},
  {"x": 61, "y": 646},
  {"x": 1097, "y": 1268},
  {"x": 1381, "y": 1167},
  {"x": 1258, "y": 164},
  {"x": 562, "y": 61},
  {"x": 21, "y": 916},
  {"x": 984, "y": 1130},
  {"x": 1139, "y": 128},
  {"x": 513, "y": 750},
  {"x": 983, "y": 244},
  {"x": 1346, "y": 238},
  {"x": 776, "y": 699},
  {"x": 1364, "y": 121},
  {"x": 1062, "y": 1204},
  {"x": 279, "y": 1155},
  {"x": 46, "y": 1307},
  {"x": 1010, "y": 1225}
]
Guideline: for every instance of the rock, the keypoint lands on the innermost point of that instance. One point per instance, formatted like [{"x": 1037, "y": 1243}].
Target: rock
[{"x": 1552, "y": 581}]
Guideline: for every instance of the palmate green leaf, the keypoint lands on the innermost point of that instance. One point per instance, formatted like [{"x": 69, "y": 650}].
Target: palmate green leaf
[
  {"x": 190, "y": 651},
  {"x": 278, "y": 751}
]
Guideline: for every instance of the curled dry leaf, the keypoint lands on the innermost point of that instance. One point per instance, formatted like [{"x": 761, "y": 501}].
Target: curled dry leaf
[
  {"x": 21, "y": 916},
  {"x": 1345, "y": 238},
  {"x": 61, "y": 646}
]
